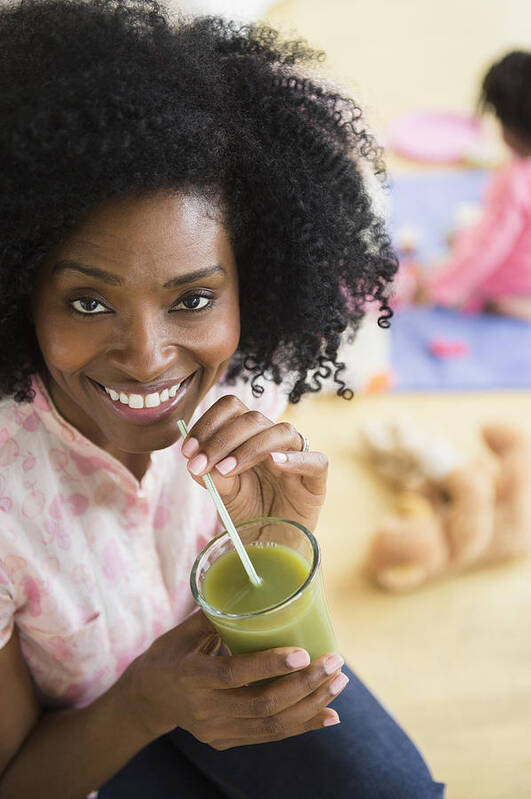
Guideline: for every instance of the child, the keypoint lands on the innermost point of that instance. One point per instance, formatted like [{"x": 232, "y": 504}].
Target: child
[
  {"x": 180, "y": 208},
  {"x": 490, "y": 264}
]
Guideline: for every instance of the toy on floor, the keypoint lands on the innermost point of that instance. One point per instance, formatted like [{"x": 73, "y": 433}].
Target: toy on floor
[
  {"x": 466, "y": 215},
  {"x": 407, "y": 240},
  {"x": 435, "y": 137},
  {"x": 442, "y": 347},
  {"x": 451, "y": 514}
]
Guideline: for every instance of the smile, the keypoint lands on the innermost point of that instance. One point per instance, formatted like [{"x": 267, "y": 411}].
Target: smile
[
  {"x": 145, "y": 408},
  {"x": 138, "y": 401}
]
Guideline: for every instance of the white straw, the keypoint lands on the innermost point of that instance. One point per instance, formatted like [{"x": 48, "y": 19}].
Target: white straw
[{"x": 227, "y": 521}]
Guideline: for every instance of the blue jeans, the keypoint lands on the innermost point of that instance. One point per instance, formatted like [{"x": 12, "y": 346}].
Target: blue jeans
[{"x": 367, "y": 756}]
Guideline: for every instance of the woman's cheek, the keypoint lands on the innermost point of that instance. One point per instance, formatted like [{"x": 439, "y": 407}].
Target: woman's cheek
[
  {"x": 233, "y": 330},
  {"x": 224, "y": 348},
  {"x": 66, "y": 349},
  {"x": 217, "y": 341}
]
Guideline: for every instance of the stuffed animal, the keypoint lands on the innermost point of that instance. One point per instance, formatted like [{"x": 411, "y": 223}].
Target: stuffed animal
[{"x": 451, "y": 514}]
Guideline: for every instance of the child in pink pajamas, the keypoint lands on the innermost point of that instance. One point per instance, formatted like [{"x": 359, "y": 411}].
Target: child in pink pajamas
[{"x": 490, "y": 264}]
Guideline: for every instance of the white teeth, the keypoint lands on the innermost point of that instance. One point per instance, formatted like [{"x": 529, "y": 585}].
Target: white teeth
[{"x": 136, "y": 401}]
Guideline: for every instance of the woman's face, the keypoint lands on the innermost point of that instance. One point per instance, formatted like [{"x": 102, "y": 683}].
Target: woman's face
[{"x": 137, "y": 316}]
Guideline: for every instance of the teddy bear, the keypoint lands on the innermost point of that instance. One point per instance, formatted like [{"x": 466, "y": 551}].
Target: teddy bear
[{"x": 451, "y": 513}]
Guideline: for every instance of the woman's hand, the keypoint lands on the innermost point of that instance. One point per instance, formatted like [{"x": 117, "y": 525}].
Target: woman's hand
[
  {"x": 179, "y": 682},
  {"x": 258, "y": 467}
]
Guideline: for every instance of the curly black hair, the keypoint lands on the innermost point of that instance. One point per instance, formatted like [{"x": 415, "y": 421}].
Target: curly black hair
[
  {"x": 506, "y": 90},
  {"x": 103, "y": 98}
]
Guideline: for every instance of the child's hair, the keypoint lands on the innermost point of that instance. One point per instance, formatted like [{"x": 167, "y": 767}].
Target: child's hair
[
  {"x": 506, "y": 90},
  {"x": 106, "y": 98}
]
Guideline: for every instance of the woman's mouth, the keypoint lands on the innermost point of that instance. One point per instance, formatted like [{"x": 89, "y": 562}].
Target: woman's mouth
[{"x": 147, "y": 407}]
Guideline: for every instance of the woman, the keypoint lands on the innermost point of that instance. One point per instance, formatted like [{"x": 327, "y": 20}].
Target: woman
[{"x": 180, "y": 209}]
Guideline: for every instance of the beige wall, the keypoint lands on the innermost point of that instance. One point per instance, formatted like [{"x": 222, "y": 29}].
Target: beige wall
[{"x": 403, "y": 54}]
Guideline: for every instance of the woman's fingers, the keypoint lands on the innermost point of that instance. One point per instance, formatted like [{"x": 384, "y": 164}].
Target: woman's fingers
[
  {"x": 213, "y": 420},
  {"x": 261, "y": 701},
  {"x": 221, "y": 429},
  {"x": 233, "y": 439},
  {"x": 312, "y": 467},
  {"x": 296, "y": 717},
  {"x": 272, "y": 729},
  {"x": 255, "y": 447},
  {"x": 234, "y": 671}
]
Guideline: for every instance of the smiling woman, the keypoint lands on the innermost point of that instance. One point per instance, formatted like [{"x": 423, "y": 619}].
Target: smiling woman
[
  {"x": 124, "y": 312},
  {"x": 204, "y": 105},
  {"x": 181, "y": 210}
]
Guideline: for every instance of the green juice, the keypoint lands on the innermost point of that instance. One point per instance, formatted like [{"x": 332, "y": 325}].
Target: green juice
[{"x": 301, "y": 622}]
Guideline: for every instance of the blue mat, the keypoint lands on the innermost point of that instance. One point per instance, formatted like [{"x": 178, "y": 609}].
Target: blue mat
[
  {"x": 428, "y": 201},
  {"x": 499, "y": 351}
]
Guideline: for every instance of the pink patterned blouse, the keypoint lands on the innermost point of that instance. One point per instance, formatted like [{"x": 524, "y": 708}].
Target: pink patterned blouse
[
  {"x": 93, "y": 564},
  {"x": 492, "y": 259}
]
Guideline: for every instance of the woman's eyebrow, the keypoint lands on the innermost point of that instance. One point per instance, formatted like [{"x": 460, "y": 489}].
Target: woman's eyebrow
[
  {"x": 191, "y": 277},
  {"x": 114, "y": 280},
  {"x": 90, "y": 271}
]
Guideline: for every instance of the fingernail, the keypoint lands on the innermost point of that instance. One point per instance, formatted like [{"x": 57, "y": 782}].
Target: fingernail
[
  {"x": 279, "y": 457},
  {"x": 333, "y": 663},
  {"x": 338, "y": 684},
  {"x": 331, "y": 720},
  {"x": 297, "y": 660},
  {"x": 190, "y": 446},
  {"x": 198, "y": 464},
  {"x": 227, "y": 465}
]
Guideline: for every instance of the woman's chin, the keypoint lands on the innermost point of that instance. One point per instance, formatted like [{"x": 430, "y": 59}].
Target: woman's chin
[{"x": 143, "y": 440}]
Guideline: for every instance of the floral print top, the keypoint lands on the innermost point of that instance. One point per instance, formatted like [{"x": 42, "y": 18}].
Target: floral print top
[{"x": 94, "y": 565}]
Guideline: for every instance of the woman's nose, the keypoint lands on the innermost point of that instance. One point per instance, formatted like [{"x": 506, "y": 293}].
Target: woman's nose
[{"x": 144, "y": 348}]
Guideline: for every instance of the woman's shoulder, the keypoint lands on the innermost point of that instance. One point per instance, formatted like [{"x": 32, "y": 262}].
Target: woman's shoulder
[
  {"x": 31, "y": 457},
  {"x": 13, "y": 418},
  {"x": 22, "y": 424}
]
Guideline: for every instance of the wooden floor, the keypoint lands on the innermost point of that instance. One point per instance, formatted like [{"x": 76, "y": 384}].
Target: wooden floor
[{"x": 452, "y": 661}]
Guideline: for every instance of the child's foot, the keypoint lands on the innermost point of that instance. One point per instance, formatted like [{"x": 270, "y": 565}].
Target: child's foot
[{"x": 515, "y": 307}]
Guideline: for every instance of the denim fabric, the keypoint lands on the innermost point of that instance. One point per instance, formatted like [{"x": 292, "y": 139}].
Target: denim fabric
[{"x": 367, "y": 756}]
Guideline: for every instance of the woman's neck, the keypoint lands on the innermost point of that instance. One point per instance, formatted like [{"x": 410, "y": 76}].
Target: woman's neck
[{"x": 136, "y": 462}]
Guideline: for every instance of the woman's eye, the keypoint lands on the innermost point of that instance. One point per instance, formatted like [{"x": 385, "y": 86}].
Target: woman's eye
[
  {"x": 194, "y": 302},
  {"x": 88, "y": 306}
]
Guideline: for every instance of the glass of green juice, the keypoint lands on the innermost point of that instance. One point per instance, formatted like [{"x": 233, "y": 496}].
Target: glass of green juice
[{"x": 287, "y": 609}]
